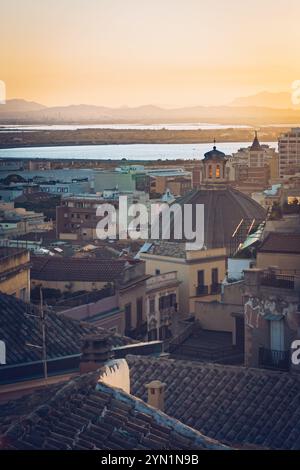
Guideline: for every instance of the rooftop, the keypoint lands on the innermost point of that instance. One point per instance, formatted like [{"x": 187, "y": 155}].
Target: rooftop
[
  {"x": 54, "y": 268},
  {"x": 232, "y": 404},
  {"x": 224, "y": 209},
  {"x": 84, "y": 414},
  {"x": 20, "y": 326},
  {"x": 276, "y": 242},
  {"x": 7, "y": 252}
]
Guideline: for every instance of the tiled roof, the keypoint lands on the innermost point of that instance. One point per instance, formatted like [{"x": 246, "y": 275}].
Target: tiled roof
[
  {"x": 224, "y": 209},
  {"x": 53, "y": 268},
  {"x": 13, "y": 410},
  {"x": 165, "y": 248},
  {"x": 85, "y": 415},
  {"x": 231, "y": 404},
  {"x": 63, "y": 335},
  {"x": 276, "y": 242}
]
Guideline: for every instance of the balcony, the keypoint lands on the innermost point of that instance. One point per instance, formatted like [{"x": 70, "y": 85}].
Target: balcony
[
  {"x": 215, "y": 289},
  {"x": 201, "y": 290},
  {"x": 278, "y": 280},
  {"x": 276, "y": 360}
]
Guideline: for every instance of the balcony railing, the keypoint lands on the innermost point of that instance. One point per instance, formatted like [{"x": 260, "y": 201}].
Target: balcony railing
[
  {"x": 201, "y": 290},
  {"x": 278, "y": 280},
  {"x": 272, "y": 359},
  {"x": 215, "y": 289}
]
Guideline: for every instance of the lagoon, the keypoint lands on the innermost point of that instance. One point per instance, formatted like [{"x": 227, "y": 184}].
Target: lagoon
[{"x": 135, "y": 152}]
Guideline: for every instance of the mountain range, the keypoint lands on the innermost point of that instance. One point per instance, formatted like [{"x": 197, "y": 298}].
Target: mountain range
[{"x": 262, "y": 108}]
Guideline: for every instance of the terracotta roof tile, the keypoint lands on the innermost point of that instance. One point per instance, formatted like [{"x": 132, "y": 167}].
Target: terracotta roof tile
[
  {"x": 20, "y": 326},
  {"x": 276, "y": 242},
  {"x": 232, "y": 404},
  {"x": 54, "y": 268},
  {"x": 84, "y": 414}
]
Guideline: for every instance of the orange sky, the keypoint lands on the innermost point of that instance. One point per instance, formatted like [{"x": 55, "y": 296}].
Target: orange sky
[{"x": 133, "y": 52}]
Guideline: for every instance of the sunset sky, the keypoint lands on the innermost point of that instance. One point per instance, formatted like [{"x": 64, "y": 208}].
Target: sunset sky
[{"x": 134, "y": 52}]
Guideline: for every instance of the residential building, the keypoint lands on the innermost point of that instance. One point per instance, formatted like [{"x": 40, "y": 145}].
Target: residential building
[
  {"x": 280, "y": 250},
  {"x": 76, "y": 186},
  {"x": 252, "y": 179},
  {"x": 18, "y": 221},
  {"x": 200, "y": 272},
  {"x": 76, "y": 216},
  {"x": 15, "y": 272},
  {"x": 289, "y": 152},
  {"x": 77, "y": 219},
  {"x": 257, "y": 155},
  {"x": 162, "y": 297},
  {"x": 179, "y": 182},
  {"x": 272, "y": 299},
  {"x": 85, "y": 275}
]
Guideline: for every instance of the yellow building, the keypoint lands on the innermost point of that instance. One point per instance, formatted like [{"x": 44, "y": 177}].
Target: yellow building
[
  {"x": 15, "y": 272},
  {"x": 200, "y": 272}
]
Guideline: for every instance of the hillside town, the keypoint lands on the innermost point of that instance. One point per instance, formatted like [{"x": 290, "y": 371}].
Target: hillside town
[{"x": 143, "y": 343}]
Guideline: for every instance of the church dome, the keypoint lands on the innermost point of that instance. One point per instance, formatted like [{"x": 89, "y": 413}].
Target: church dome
[
  {"x": 214, "y": 154},
  {"x": 225, "y": 210}
]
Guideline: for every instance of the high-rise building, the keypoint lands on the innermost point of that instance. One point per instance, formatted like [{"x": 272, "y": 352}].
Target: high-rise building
[{"x": 289, "y": 152}]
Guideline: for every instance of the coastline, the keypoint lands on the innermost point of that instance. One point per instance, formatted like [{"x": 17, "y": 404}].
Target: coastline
[{"x": 104, "y": 137}]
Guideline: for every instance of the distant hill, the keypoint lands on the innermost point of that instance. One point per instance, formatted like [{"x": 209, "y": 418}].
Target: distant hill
[
  {"x": 266, "y": 99},
  {"x": 16, "y": 106},
  {"x": 24, "y": 112}
]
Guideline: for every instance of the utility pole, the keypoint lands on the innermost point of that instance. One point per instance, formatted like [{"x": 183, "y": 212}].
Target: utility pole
[
  {"x": 42, "y": 347},
  {"x": 43, "y": 321}
]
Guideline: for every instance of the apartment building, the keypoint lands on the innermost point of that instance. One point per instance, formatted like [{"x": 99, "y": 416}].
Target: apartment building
[{"x": 289, "y": 152}]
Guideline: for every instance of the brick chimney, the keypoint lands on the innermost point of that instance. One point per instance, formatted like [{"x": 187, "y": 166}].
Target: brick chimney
[
  {"x": 95, "y": 352},
  {"x": 156, "y": 394}
]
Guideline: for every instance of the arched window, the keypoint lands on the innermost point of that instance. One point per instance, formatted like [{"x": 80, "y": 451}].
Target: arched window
[
  {"x": 210, "y": 173},
  {"x": 218, "y": 171}
]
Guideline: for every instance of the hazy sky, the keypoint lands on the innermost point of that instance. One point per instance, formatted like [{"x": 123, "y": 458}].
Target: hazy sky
[{"x": 132, "y": 52}]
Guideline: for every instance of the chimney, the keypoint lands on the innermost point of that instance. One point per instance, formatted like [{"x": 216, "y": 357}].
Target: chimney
[
  {"x": 156, "y": 394},
  {"x": 95, "y": 352}
]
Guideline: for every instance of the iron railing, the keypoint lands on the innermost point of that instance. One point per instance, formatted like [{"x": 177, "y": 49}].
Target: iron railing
[
  {"x": 273, "y": 359},
  {"x": 201, "y": 290},
  {"x": 278, "y": 280}
]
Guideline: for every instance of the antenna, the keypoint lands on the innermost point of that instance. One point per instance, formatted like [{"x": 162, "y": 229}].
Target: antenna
[{"x": 43, "y": 335}]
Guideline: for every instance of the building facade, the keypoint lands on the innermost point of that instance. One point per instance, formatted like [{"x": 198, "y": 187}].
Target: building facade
[
  {"x": 162, "y": 297},
  {"x": 289, "y": 153},
  {"x": 15, "y": 272}
]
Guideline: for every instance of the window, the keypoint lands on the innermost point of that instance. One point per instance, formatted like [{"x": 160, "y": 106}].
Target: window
[
  {"x": 214, "y": 276},
  {"x": 139, "y": 312},
  {"x": 164, "y": 302},
  {"x": 218, "y": 171},
  {"x": 128, "y": 317},
  {"x": 157, "y": 272},
  {"x": 152, "y": 305},
  {"x": 210, "y": 171},
  {"x": 200, "y": 276},
  {"x": 173, "y": 300}
]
